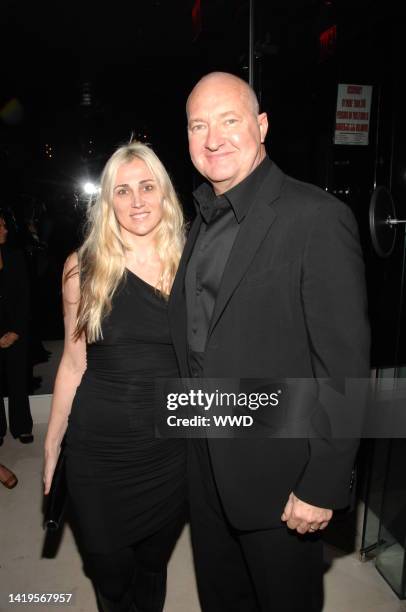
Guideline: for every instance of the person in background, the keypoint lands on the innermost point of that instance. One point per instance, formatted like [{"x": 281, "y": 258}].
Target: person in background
[
  {"x": 127, "y": 488},
  {"x": 7, "y": 477},
  {"x": 37, "y": 263},
  {"x": 14, "y": 323}
]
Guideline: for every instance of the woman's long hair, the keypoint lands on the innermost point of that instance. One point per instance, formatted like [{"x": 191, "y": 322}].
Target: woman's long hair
[{"x": 101, "y": 258}]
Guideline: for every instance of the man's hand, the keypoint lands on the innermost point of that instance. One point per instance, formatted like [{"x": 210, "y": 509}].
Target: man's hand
[
  {"x": 304, "y": 517},
  {"x": 8, "y": 339}
]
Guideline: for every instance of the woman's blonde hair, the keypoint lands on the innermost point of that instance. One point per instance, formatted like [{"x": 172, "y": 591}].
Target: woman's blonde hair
[{"x": 101, "y": 258}]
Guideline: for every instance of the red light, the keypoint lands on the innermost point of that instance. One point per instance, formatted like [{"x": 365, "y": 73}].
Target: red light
[
  {"x": 197, "y": 18},
  {"x": 328, "y": 41}
]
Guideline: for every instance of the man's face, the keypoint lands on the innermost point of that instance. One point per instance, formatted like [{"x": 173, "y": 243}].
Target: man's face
[{"x": 225, "y": 134}]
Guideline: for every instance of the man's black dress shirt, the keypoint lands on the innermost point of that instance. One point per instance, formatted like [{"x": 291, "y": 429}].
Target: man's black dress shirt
[{"x": 221, "y": 216}]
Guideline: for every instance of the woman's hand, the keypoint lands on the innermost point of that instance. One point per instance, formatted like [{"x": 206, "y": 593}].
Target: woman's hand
[
  {"x": 51, "y": 457},
  {"x": 8, "y": 339}
]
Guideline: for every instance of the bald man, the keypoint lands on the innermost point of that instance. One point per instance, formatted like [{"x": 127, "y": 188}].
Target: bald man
[{"x": 270, "y": 285}]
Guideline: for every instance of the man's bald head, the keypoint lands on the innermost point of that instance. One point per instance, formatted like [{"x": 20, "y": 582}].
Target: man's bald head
[
  {"x": 226, "y": 132},
  {"x": 226, "y": 78}
]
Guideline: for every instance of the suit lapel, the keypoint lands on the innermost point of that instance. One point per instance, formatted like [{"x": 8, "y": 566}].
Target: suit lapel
[
  {"x": 252, "y": 232},
  {"x": 178, "y": 285},
  {"x": 177, "y": 302}
]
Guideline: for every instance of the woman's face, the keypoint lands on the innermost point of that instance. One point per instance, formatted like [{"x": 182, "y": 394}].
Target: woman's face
[
  {"x": 137, "y": 199},
  {"x": 3, "y": 231}
]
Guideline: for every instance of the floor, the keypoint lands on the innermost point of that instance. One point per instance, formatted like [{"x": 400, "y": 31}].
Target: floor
[
  {"x": 46, "y": 370},
  {"x": 31, "y": 563}
]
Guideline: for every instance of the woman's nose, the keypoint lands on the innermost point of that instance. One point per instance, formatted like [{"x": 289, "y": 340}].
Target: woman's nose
[{"x": 137, "y": 201}]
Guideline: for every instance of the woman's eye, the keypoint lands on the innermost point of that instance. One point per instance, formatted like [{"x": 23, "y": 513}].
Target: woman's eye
[
  {"x": 122, "y": 191},
  {"x": 148, "y": 187}
]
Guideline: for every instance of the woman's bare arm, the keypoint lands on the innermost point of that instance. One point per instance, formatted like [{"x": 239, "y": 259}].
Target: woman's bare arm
[{"x": 70, "y": 371}]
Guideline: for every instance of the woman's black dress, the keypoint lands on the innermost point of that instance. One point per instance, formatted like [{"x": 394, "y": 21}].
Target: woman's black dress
[{"x": 124, "y": 483}]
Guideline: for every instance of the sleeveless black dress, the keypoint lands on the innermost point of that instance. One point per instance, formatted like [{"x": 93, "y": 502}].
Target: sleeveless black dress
[{"x": 124, "y": 483}]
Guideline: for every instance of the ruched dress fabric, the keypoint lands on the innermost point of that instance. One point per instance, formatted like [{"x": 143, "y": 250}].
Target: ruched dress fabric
[{"x": 124, "y": 483}]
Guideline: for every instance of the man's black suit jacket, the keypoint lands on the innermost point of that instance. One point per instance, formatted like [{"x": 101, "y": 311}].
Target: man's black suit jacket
[{"x": 292, "y": 304}]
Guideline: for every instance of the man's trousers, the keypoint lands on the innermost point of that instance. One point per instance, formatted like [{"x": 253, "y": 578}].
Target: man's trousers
[{"x": 275, "y": 570}]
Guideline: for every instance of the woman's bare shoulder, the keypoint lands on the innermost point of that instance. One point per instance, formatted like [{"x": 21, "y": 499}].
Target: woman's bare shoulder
[{"x": 70, "y": 278}]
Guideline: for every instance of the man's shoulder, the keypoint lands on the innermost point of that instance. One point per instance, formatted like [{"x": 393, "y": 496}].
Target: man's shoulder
[{"x": 305, "y": 199}]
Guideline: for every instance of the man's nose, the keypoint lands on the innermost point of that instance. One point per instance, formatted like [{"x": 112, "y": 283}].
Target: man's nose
[{"x": 214, "y": 139}]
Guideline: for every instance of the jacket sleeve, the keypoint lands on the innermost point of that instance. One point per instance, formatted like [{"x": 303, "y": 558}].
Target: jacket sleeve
[
  {"x": 335, "y": 311},
  {"x": 19, "y": 299}
]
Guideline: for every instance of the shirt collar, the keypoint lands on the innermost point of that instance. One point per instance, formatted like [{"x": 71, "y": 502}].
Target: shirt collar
[{"x": 238, "y": 197}]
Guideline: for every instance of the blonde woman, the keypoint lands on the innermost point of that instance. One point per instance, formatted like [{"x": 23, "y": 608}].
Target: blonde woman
[{"x": 126, "y": 487}]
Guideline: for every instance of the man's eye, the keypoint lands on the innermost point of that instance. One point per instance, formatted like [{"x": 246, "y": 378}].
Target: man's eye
[
  {"x": 197, "y": 127},
  {"x": 230, "y": 121}
]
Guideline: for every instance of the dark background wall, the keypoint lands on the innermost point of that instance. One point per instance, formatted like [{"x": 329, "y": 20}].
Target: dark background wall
[{"x": 84, "y": 80}]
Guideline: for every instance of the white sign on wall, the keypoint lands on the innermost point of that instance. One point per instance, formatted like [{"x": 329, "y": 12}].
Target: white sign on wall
[{"x": 353, "y": 114}]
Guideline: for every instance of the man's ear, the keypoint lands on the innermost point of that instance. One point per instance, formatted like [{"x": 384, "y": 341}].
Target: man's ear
[{"x": 263, "y": 125}]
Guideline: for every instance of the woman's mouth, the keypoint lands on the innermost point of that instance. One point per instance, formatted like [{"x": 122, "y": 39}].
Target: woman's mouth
[{"x": 139, "y": 216}]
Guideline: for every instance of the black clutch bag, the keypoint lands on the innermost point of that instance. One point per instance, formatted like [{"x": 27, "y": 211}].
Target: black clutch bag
[{"x": 56, "y": 498}]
